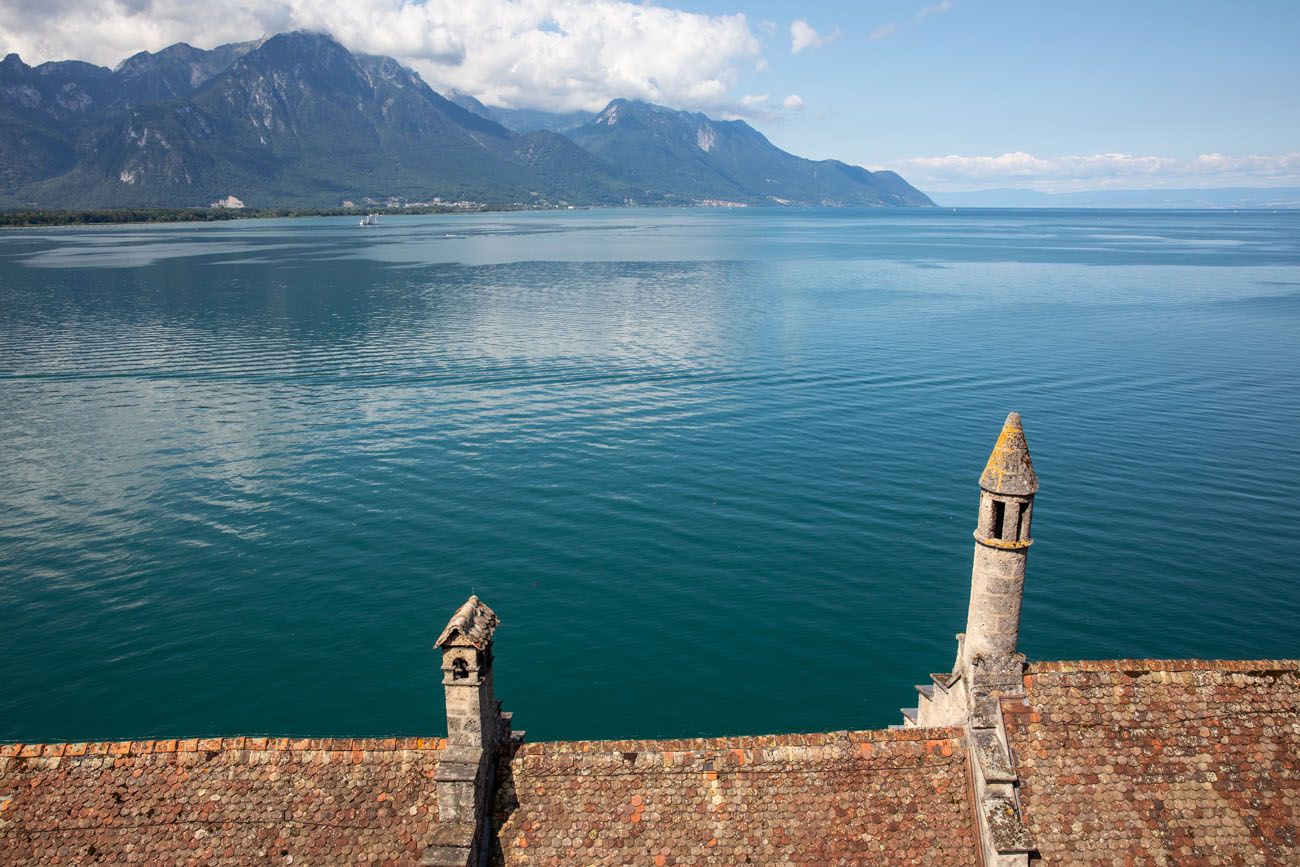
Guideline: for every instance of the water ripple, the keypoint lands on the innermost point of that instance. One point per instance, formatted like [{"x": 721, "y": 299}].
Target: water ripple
[{"x": 250, "y": 468}]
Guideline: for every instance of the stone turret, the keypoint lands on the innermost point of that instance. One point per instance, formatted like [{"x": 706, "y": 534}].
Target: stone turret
[
  {"x": 987, "y": 660},
  {"x": 1002, "y": 541},
  {"x": 989, "y": 669},
  {"x": 477, "y": 731}
]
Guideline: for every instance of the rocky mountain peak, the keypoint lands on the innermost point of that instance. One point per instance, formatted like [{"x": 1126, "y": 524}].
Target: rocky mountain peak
[{"x": 297, "y": 119}]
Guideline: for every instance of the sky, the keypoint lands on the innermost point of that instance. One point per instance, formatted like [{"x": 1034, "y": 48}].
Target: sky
[{"x": 953, "y": 94}]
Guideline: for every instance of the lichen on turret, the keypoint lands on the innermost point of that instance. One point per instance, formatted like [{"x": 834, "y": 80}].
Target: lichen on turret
[{"x": 1009, "y": 469}]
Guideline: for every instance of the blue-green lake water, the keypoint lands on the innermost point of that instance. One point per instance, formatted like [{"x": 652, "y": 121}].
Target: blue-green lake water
[{"x": 716, "y": 471}]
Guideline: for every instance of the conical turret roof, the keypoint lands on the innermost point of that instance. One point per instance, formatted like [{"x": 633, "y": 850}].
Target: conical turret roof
[{"x": 1009, "y": 470}]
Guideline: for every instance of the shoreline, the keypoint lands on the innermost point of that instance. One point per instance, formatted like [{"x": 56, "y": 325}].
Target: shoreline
[{"x": 54, "y": 218}]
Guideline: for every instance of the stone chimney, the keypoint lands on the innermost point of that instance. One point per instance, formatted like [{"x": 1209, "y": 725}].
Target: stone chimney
[
  {"x": 472, "y": 709},
  {"x": 476, "y": 732}
]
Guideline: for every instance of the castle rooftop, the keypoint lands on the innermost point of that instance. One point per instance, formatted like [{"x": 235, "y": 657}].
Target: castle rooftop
[
  {"x": 1160, "y": 761},
  {"x": 224, "y": 801},
  {"x": 887, "y": 797},
  {"x": 1153, "y": 761}
]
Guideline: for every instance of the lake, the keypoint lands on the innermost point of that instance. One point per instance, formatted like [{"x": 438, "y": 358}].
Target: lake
[{"x": 715, "y": 470}]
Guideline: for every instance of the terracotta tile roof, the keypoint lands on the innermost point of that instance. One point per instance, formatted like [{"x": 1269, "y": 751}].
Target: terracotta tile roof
[
  {"x": 1119, "y": 761},
  {"x": 882, "y": 797},
  {"x": 218, "y": 801},
  {"x": 1160, "y": 761}
]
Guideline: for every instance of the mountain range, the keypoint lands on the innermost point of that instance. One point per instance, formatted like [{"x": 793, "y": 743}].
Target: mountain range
[{"x": 298, "y": 120}]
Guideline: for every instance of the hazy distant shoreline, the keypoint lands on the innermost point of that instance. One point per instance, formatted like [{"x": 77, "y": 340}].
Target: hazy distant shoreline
[
  {"x": 38, "y": 218},
  {"x": 1202, "y": 199},
  {"x": 41, "y": 218}
]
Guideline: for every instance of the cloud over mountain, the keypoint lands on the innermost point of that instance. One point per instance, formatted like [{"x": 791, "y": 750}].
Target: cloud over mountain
[
  {"x": 560, "y": 55},
  {"x": 1099, "y": 171}
]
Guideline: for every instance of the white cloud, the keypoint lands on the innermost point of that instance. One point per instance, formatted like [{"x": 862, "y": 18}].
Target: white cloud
[
  {"x": 887, "y": 30},
  {"x": 754, "y": 100},
  {"x": 884, "y": 32},
  {"x": 1021, "y": 170},
  {"x": 553, "y": 54},
  {"x": 793, "y": 102},
  {"x": 927, "y": 11},
  {"x": 803, "y": 35}
]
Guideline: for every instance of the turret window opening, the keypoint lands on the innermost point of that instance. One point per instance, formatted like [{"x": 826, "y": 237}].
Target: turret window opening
[
  {"x": 459, "y": 669},
  {"x": 999, "y": 515}
]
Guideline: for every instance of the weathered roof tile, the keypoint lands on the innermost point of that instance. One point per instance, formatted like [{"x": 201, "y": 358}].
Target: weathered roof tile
[
  {"x": 63, "y": 804},
  {"x": 842, "y": 797},
  {"x": 1160, "y": 761}
]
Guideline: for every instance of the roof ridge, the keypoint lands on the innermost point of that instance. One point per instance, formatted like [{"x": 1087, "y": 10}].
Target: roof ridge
[
  {"x": 1194, "y": 664},
  {"x": 118, "y": 749},
  {"x": 726, "y": 742}
]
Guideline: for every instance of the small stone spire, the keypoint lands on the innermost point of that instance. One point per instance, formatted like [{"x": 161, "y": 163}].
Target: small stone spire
[{"x": 1010, "y": 470}]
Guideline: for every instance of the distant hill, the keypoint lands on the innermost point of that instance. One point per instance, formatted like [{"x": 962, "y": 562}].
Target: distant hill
[
  {"x": 1224, "y": 197},
  {"x": 729, "y": 160},
  {"x": 298, "y": 120},
  {"x": 523, "y": 119},
  {"x": 678, "y": 154}
]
